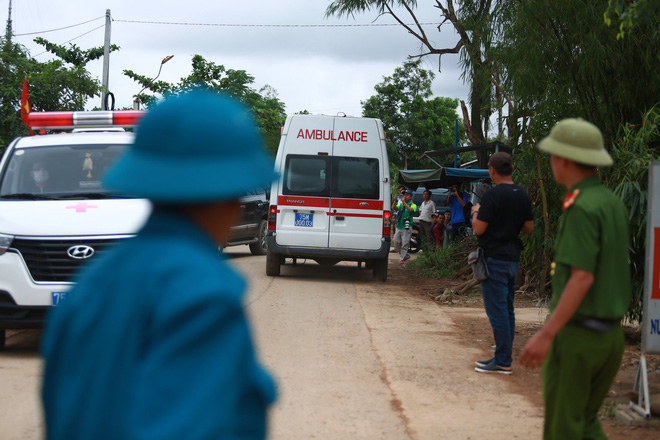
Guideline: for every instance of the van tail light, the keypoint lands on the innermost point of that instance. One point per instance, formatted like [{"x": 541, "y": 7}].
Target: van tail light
[
  {"x": 386, "y": 223},
  {"x": 272, "y": 217}
]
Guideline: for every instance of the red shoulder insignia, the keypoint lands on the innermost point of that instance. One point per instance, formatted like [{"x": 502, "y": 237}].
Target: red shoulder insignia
[{"x": 570, "y": 199}]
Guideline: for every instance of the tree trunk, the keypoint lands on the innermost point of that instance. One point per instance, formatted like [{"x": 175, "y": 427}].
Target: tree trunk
[{"x": 546, "y": 229}]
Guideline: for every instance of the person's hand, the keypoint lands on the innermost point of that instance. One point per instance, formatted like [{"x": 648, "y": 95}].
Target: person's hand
[
  {"x": 535, "y": 350},
  {"x": 476, "y": 207}
]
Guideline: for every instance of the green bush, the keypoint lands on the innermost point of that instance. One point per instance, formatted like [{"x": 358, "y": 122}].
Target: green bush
[{"x": 444, "y": 262}]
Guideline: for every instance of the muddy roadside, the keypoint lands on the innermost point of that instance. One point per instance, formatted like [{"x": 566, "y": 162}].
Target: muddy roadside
[{"x": 467, "y": 314}]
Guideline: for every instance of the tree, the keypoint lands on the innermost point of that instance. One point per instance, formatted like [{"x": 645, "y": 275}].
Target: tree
[
  {"x": 415, "y": 122},
  {"x": 471, "y": 23},
  {"x": 562, "y": 60},
  {"x": 55, "y": 85},
  {"x": 268, "y": 110},
  {"x": 630, "y": 13}
]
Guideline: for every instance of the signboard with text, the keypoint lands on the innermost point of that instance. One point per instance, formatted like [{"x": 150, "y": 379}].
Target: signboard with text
[{"x": 651, "y": 318}]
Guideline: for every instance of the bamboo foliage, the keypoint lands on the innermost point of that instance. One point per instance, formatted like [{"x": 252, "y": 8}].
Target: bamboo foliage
[{"x": 628, "y": 178}]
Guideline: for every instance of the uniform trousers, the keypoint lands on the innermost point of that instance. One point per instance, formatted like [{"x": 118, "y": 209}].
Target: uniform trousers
[{"x": 577, "y": 374}]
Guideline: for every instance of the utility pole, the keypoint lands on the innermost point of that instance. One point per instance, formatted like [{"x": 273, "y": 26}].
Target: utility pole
[
  {"x": 106, "y": 60},
  {"x": 8, "y": 32}
]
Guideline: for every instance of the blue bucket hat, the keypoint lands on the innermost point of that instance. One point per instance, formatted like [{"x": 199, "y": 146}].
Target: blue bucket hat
[{"x": 194, "y": 148}]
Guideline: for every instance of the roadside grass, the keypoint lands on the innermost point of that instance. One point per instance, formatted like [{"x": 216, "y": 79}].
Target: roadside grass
[{"x": 438, "y": 264}]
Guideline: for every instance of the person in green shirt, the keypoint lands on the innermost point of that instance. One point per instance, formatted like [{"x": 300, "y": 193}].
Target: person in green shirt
[
  {"x": 404, "y": 228},
  {"x": 581, "y": 345}
]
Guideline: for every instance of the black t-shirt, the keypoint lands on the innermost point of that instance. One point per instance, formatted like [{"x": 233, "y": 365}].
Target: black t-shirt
[{"x": 506, "y": 208}]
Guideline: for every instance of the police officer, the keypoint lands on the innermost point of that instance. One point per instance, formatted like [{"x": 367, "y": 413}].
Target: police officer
[
  {"x": 153, "y": 341},
  {"x": 581, "y": 345}
]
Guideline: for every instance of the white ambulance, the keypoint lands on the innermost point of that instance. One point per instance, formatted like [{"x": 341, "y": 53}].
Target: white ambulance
[
  {"x": 54, "y": 212},
  {"x": 332, "y": 199}
]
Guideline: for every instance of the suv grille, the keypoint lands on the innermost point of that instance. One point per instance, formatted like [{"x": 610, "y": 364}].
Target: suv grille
[{"x": 47, "y": 260}]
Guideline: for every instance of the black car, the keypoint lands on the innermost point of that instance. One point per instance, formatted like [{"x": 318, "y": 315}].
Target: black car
[{"x": 251, "y": 226}]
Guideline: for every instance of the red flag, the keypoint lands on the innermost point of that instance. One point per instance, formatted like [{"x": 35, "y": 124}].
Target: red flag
[{"x": 26, "y": 108}]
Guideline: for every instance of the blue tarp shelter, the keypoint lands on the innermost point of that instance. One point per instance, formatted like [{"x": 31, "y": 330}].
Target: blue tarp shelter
[{"x": 440, "y": 178}]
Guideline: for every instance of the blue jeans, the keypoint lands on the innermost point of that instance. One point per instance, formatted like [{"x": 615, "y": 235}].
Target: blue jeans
[
  {"x": 457, "y": 229},
  {"x": 498, "y": 292}
]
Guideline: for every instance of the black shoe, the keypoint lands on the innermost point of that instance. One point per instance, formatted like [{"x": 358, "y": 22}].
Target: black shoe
[
  {"x": 484, "y": 363},
  {"x": 493, "y": 368}
]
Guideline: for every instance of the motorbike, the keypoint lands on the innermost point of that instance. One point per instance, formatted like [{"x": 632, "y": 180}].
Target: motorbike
[{"x": 415, "y": 239}]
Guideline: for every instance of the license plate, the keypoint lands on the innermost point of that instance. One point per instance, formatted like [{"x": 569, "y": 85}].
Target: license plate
[
  {"x": 58, "y": 297},
  {"x": 304, "y": 220}
]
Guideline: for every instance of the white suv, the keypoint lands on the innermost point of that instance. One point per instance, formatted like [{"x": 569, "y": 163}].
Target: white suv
[{"x": 54, "y": 212}]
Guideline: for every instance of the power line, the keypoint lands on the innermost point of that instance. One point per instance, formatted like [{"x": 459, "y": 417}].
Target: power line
[
  {"x": 59, "y": 29},
  {"x": 175, "y": 23},
  {"x": 74, "y": 38}
]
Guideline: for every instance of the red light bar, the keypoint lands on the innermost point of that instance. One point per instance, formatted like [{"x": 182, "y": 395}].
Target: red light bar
[{"x": 67, "y": 120}]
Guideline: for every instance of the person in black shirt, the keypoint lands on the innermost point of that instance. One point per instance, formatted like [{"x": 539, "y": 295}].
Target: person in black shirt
[{"x": 504, "y": 211}]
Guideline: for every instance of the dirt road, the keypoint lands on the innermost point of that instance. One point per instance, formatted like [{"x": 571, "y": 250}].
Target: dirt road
[
  {"x": 352, "y": 358},
  {"x": 357, "y": 359}
]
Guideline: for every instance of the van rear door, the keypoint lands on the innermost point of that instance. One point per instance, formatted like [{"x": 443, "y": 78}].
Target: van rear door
[
  {"x": 304, "y": 197},
  {"x": 356, "y": 190}
]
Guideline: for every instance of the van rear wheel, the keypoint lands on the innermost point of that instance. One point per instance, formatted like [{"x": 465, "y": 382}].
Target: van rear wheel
[
  {"x": 380, "y": 269},
  {"x": 273, "y": 263}
]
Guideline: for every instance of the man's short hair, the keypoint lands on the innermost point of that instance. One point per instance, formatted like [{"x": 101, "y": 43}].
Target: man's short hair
[
  {"x": 502, "y": 163},
  {"x": 428, "y": 191}
]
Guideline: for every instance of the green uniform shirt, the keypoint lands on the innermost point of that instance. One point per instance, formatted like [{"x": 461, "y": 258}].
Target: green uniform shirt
[
  {"x": 404, "y": 214},
  {"x": 593, "y": 236}
]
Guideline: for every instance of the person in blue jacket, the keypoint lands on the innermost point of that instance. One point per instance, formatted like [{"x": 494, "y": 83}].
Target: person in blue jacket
[{"x": 152, "y": 342}]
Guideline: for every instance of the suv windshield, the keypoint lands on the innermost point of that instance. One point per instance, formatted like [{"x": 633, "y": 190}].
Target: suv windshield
[{"x": 67, "y": 172}]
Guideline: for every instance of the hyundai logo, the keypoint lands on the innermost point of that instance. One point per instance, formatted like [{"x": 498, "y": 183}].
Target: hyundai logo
[{"x": 80, "y": 252}]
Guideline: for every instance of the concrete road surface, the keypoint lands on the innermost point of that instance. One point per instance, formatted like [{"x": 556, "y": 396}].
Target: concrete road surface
[{"x": 353, "y": 359}]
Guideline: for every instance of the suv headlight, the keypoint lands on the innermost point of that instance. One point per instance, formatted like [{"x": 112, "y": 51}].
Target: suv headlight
[{"x": 5, "y": 242}]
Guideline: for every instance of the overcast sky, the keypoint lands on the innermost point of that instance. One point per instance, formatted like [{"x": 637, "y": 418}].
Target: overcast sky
[{"x": 321, "y": 69}]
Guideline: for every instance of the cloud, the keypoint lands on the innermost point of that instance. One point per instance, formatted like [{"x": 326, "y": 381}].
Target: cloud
[{"x": 321, "y": 69}]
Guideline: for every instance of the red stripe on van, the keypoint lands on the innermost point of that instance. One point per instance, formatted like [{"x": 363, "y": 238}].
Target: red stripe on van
[
  {"x": 351, "y": 214},
  {"x": 308, "y": 202},
  {"x": 357, "y": 204}
]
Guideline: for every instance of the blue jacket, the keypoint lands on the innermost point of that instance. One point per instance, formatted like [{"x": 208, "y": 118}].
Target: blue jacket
[{"x": 153, "y": 343}]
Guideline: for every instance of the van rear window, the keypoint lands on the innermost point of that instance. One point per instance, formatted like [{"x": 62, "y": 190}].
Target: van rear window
[
  {"x": 355, "y": 178},
  {"x": 325, "y": 176},
  {"x": 306, "y": 175}
]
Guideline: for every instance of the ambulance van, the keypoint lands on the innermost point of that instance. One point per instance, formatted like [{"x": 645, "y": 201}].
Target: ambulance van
[
  {"x": 55, "y": 214},
  {"x": 331, "y": 202}
]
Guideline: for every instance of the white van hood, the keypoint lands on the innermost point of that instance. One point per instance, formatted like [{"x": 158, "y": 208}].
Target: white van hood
[{"x": 73, "y": 218}]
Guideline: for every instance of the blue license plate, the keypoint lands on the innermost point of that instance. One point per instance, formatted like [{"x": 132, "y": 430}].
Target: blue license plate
[
  {"x": 304, "y": 220},
  {"x": 58, "y": 297}
]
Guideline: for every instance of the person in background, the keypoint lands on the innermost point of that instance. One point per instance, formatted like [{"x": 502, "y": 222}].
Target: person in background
[
  {"x": 448, "y": 229},
  {"x": 581, "y": 345},
  {"x": 426, "y": 210},
  {"x": 439, "y": 230},
  {"x": 40, "y": 177},
  {"x": 457, "y": 200},
  {"x": 504, "y": 212},
  {"x": 153, "y": 342},
  {"x": 405, "y": 211}
]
